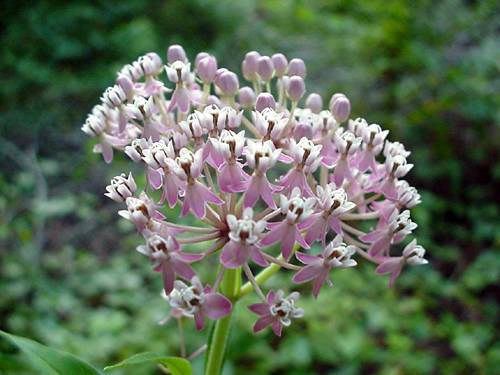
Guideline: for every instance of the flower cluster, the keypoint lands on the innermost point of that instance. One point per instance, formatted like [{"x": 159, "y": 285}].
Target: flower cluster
[{"x": 268, "y": 181}]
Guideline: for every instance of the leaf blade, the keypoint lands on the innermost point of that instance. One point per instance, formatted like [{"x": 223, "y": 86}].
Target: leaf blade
[
  {"x": 50, "y": 361},
  {"x": 176, "y": 365}
]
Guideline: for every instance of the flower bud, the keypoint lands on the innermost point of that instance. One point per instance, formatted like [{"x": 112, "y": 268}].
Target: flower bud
[
  {"x": 296, "y": 88},
  {"x": 265, "y": 100},
  {"x": 280, "y": 64},
  {"x": 314, "y": 102},
  {"x": 249, "y": 65},
  {"x": 340, "y": 107},
  {"x": 176, "y": 53},
  {"x": 228, "y": 83},
  {"x": 200, "y": 56},
  {"x": 265, "y": 68},
  {"x": 246, "y": 97},
  {"x": 207, "y": 69},
  {"x": 297, "y": 67}
]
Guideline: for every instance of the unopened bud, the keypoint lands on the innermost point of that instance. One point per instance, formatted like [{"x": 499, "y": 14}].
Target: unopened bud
[
  {"x": 246, "y": 97},
  {"x": 249, "y": 65},
  {"x": 280, "y": 64},
  {"x": 296, "y": 88},
  {"x": 207, "y": 69},
  {"x": 340, "y": 107},
  {"x": 265, "y": 100},
  {"x": 176, "y": 53},
  {"x": 314, "y": 102},
  {"x": 297, "y": 67},
  {"x": 265, "y": 68}
]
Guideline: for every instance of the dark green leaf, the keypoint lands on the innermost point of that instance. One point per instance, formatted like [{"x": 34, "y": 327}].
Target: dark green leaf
[
  {"x": 50, "y": 361},
  {"x": 176, "y": 365}
]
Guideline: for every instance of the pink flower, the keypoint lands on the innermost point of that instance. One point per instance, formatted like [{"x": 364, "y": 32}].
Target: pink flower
[
  {"x": 179, "y": 73},
  {"x": 373, "y": 137},
  {"x": 197, "y": 302},
  {"x": 347, "y": 145},
  {"x": 296, "y": 210},
  {"x": 332, "y": 203},
  {"x": 394, "y": 231},
  {"x": 277, "y": 312},
  {"x": 317, "y": 267},
  {"x": 261, "y": 156},
  {"x": 413, "y": 254},
  {"x": 243, "y": 241},
  {"x": 306, "y": 158},
  {"x": 232, "y": 178},
  {"x": 395, "y": 167},
  {"x": 168, "y": 259},
  {"x": 196, "y": 195}
]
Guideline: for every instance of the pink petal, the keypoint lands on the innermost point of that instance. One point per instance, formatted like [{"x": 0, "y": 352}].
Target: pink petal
[
  {"x": 259, "y": 308},
  {"x": 372, "y": 236},
  {"x": 388, "y": 266},
  {"x": 336, "y": 225},
  {"x": 199, "y": 321},
  {"x": 300, "y": 239},
  {"x": 276, "y": 234},
  {"x": 154, "y": 178},
  {"x": 317, "y": 230},
  {"x": 107, "y": 152},
  {"x": 340, "y": 172},
  {"x": 307, "y": 258},
  {"x": 319, "y": 281},
  {"x": 277, "y": 328},
  {"x": 252, "y": 193},
  {"x": 216, "y": 306},
  {"x": 257, "y": 257},
  {"x": 182, "y": 269},
  {"x": 307, "y": 273},
  {"x": 233, "y": 255},
  {"x": 188, "y": 257},
  {"x": 263, "y": 322},
  {"x": 288, "y": 240},
  {"x": 380, "y": 246},
  {"x": 168, "y": 275}
]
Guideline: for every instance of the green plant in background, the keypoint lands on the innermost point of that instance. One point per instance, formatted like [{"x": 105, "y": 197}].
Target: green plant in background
[{"x": 427, "y": 71}]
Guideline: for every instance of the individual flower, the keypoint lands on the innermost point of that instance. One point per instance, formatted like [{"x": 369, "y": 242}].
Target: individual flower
[
  {"x": 244, "y": 235},
  {"x": 306, "y": 158},
  {"x": 413, "y": 254},
  {"x": 331, "y": 204},
  {"x": 296, "y": 210},
  {"x": 168, "y": 259},
  {"x": 278, "y": 311},
  {"x": 317, "y": 267},
  {"x": 196, "y": 195},
  {"x": 347, "y": 144},
  {"x": 231, "y": 177},
  {"x": 197, "y": 302},
  {"x": 261, "y": 156},
  {"x": 394, "y": 231}
]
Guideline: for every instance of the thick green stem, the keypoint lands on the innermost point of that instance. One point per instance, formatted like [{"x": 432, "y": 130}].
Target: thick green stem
[{"x": 230, "y": 287}]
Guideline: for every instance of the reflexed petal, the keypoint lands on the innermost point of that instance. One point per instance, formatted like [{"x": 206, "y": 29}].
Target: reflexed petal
[
  {"x": 277, "y": 328},
  {"x": 307, "y": 258},
  {"x": 233, "y": 255},
  {"x": 307, "y": 273},
  {"x": 199, "y": 320},
  {"x": 263, "y": 322},
  {"x": 259, "y": 308},
  {"x": 168, "y": 275},
  {"x": 154, "y": 178},
  {"x": 216, "y": 306}
]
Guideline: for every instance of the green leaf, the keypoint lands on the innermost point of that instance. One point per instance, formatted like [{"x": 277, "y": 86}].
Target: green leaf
[
  {"x": 176, "y": 365},
  {"x": 48, "y": 360}
]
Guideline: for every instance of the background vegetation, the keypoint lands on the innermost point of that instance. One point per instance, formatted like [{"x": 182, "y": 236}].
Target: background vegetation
[{"x": 427, "y": 70}]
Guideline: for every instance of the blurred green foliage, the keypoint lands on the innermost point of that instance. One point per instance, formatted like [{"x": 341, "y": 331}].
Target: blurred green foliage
[{"x": 427, "y": 70}]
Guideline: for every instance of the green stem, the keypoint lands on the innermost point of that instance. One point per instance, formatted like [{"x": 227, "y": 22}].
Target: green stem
[{"x": 217, "y": 344}]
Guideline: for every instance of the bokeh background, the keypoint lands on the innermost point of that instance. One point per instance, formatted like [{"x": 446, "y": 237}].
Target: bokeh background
[{"x": 426, "y": 70}]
